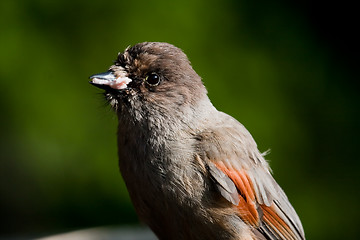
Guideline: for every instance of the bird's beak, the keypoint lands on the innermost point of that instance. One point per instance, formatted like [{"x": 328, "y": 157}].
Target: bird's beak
[{"x": 108, "y": 79}]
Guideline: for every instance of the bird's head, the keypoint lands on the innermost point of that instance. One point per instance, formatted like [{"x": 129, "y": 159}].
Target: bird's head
[{"x": 151, "y": 75}]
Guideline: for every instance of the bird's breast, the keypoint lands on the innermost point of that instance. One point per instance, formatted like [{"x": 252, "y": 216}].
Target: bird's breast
[{"x": 159, "y": 169}]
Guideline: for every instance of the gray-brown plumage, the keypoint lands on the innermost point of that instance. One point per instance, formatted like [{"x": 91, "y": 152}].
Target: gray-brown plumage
[{"x": 192, "y": 172}]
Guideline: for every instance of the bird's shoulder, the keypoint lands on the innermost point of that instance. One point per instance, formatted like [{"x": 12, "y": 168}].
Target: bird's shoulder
[{"x": 226, "y": 138}]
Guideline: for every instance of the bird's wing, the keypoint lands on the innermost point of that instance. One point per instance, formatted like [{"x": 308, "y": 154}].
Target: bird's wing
[
  {"x": 273, "y": 216},
  {"x": 242, "y": 176}
]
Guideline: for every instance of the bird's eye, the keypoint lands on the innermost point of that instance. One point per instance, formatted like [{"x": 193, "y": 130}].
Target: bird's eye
[{"x": 152, "y": 79}]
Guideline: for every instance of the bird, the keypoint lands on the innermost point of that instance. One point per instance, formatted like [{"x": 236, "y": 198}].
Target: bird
[{"x": 192, "y": 172}]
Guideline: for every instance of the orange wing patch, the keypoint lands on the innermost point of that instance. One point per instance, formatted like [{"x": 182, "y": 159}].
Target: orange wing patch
[
  {"x": 246, "y": 207},
  {"x": 249, "y": 210},
  {"x": 271, "y": 218}
]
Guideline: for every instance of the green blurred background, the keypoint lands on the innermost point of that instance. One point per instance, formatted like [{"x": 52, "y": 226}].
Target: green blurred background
[{"x": 287, "y": 71}]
